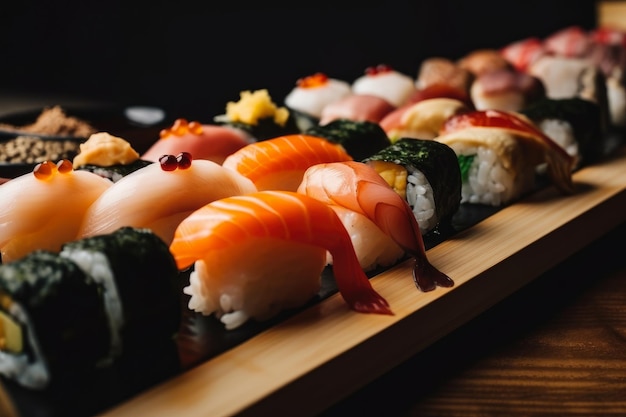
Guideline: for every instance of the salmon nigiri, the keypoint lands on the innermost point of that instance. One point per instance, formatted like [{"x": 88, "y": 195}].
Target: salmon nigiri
[
  {"x": 357, "y": 186},
  {"x": 44, "y": 209},
  {"x": 160, "y": 195},
  {"x": 259, "y": 254},
  {"x": 279, "y": 163}
]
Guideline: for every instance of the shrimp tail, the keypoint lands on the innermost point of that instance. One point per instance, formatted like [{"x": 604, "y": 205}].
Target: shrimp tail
[
  {"x": 425, "y": 275},
  {"x": 355, "y": 287}
]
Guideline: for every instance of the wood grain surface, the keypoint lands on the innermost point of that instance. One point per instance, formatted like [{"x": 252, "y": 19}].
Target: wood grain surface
[
  {"x": 557, "y": 347},
  {"x": 322, "y": 355}
]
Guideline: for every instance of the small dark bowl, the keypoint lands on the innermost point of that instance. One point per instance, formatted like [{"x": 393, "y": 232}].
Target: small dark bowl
[
  {"x": 112, "y": 119},
  {"x": 15, "y": 169}
]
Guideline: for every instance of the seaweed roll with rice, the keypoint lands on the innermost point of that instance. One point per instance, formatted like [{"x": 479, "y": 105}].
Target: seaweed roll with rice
[
  {"x": 426, "y": 173},
  {"x": 64, "y": 316},
  {"x": 52, "y": 320}
]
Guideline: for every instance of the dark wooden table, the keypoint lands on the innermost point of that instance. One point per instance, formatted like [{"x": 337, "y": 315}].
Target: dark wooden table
[{"x": 555, "y": 348}]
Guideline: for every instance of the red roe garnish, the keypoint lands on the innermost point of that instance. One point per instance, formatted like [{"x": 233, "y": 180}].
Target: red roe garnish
[
  {"x": 171, "y": 163},
  {"x": 181, "y": 127},
  {"x": 44, "y": 170},
  {"x": 316, "y": 80},
  {"x": 195, "y": 127},
  {"x": 168, "y": 162},
  {"x": 64, "y": 166},
  {"x": 378, "y": 69},
  {"x": 184, "y": 160}
]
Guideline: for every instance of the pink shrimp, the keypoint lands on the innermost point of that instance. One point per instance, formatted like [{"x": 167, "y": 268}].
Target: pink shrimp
[
  {"x": 259, "y": 253},
  {"x": 358, "y": 187}
]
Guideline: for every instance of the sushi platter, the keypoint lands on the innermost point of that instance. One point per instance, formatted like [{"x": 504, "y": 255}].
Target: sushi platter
[
  {"x": 181, "y": 299},
  {"x": 277, "y": 370}
]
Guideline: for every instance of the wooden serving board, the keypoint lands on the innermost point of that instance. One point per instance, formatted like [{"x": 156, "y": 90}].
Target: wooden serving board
[{"x": 317, "y": 357}]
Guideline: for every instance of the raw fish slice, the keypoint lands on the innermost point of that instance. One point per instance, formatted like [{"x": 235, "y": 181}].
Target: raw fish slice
[
  {"x": 44, "y": 209},
  {"x": 443, "y": 72},
  {"x": 372, "y": 246},
  {"x": 522, "y": 53},
  {"x": 421, "y": 120},
  {"x": 481, "y": 61},
  {"x": 357, "y": 107},
  {"x": 385, "y": 82},
  {"x": 276, "y": 241},
  {"x": 506, "y": 89},
  {"x": 279, "y": 163},
  {"x": 154, "y": 198},
  {"x": 203, "y": 141},
  {"x": 540, "y": 148},
  {"x": 358, "y": 187}
]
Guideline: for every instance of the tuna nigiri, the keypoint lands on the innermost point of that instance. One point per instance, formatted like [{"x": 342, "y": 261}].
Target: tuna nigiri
[
  {"x": 358, "y": 187},
  {"x": 279, "y": 163},
  {"x": 160, "y": 195},
  {"x": 203, "y": 141},
  {"x": 44, "y": 209},
  {"x": 233, "y": 245}
]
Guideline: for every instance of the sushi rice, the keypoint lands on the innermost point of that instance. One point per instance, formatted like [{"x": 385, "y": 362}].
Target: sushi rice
[
  {"x": 24, "y": 369},
  {"x": 488, "y": 181},
  {"x": 419, "y": 195}
]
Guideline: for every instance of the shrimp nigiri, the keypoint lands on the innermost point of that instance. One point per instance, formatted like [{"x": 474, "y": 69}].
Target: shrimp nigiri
[
  {"x": 358, "y": 187},
  {"x": 44, "y": 209},
  {"x": 279, "y": 163},
  {"x": 256, "y": 255},
  {"x": 158, "y": 196}
]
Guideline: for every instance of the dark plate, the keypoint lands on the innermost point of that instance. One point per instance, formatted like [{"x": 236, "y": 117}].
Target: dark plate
[{"x": 138, "y": 125}]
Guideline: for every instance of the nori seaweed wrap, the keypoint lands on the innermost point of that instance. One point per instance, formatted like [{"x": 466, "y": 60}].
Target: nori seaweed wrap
[
  {"x": 53, "y": 321},
  {"x": 115, "y": 172},
  {"x": 139, "y": 275},
  {"x": 359, "y": 138},
  {"x": 574, "y": 123},
  {"x": 427, "y": 174}
]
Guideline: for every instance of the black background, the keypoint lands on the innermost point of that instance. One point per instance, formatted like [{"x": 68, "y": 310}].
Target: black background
[{"x": 191, "y": 58}]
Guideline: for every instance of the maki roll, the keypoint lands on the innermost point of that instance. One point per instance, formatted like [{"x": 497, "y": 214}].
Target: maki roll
[
  {"x": 139, "y": 279},
  {"x": 108, "y": 156},
  {"x": 574, "y": 123},
  {"x": 426, "y": 173},
  {"x": 359, "y": 138},
  {"x": 52, "y": 320},
  {"x": 66, "y": 315}
]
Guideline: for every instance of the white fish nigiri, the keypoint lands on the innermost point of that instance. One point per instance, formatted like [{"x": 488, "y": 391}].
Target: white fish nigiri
[
  {"x": 159, "y": 196},
  {"x": 44, "y": 209},
  {"x": 385, "y": 82}
]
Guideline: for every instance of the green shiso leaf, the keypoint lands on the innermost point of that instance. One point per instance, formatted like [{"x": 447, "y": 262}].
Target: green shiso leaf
[{"x": 465, "y": 162}]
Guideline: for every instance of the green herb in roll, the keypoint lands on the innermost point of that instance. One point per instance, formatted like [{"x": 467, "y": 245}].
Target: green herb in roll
[{"x": 427, "y": 174}]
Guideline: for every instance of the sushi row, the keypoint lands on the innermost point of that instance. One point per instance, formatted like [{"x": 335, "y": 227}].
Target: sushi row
[{"x": 264, "y": 193}]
